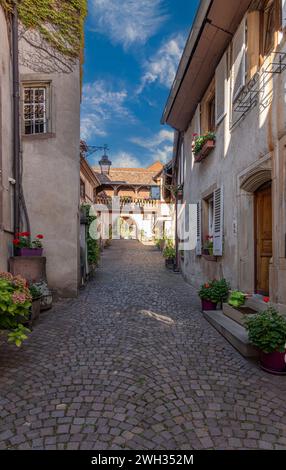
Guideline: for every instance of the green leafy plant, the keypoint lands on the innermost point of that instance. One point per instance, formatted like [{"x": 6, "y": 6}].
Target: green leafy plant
[
  {"x": 15, "y": 302},
  {"x": 200, "y": 140},
  {"x": 61, "y": 24},
  {"x": 267, "y": 331},
  {"x": 23, "y": 240},
  {"x": 18, "y": 335},
  {"x": 93, "y": 248},
  {"x": 35, "y": 291},
  {"x": 215, "y": 291},
  {"x": 170, "y": 251},
  {"x": 209, "y": 244},
  {"x": 237, "y": 299}
]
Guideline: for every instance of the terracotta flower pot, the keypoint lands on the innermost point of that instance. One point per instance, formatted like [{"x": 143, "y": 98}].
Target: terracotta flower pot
[
  {"x": 273, "y": 362},
  {"x": 208, "y": 305},
  {"x": 29, "y": 251}
]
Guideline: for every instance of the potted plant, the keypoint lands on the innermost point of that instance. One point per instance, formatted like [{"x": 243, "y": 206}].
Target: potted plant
[
  {"x": 205, "y": 294},
  {"x": 15, "y": 305},
  {"x": 267, "y": 331},
  {"x": 209, "y": 245},
  {"x": 212, "y": 293},
  {"x": 24, "y": 246},
  {"x": 237, "y": 299},
  {"x": 36, "y": 303},
  {"x": 169, "y": 254},
  {"x": 203, "y": 145}
]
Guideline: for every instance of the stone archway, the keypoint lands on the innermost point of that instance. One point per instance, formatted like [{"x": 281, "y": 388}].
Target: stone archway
[
  {"x": 128, "y": 228},
  {"x": 251, "y": 224},
  {"x": 255, "y": 179}
]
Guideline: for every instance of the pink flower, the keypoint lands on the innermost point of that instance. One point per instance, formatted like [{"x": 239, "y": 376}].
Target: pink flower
[
  {"x": 6, "y": 276},
  {"x": 19, "y": 298}
]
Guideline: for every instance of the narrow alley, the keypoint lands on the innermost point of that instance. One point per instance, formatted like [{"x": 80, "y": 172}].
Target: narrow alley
[{"x": 132, "y": 364}]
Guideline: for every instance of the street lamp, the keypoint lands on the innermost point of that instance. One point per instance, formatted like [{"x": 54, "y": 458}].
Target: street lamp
[{"x": 105, "y": 163}]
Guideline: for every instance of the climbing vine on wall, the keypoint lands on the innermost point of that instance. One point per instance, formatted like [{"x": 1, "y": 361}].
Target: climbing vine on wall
[{"x": 56, "y": 23}]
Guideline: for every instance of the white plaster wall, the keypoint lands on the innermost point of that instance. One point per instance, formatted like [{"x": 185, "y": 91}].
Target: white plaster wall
[
  {"x": 254, "y": 139},
  {"x": 51, "y": 168}
]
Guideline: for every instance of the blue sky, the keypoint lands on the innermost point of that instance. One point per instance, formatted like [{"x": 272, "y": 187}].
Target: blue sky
[{"x": 132, "y": 51}]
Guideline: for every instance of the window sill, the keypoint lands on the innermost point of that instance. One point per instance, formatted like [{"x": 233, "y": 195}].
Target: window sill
[{"x": 48, "y": 135}]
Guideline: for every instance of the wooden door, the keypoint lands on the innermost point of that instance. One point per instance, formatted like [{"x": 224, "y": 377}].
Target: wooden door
[{"x": 263, "y": 223}]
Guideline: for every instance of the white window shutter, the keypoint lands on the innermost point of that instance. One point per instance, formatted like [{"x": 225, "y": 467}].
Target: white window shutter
[
  {"x": 221, "y": 90},
  {"x": 239, "y": 59},
  {"x": 199, "y": 229},
  {"x": 283, "y": 13},
  {"x": 218, "y": 222}
]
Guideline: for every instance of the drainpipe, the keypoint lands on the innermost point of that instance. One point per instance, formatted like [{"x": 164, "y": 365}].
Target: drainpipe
[{"x": 16, "y": 116}]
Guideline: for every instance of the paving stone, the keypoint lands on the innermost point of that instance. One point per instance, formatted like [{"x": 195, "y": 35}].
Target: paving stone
[{"x": 136, "y": 368}]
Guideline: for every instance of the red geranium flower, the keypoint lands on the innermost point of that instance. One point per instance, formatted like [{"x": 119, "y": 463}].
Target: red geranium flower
[
  {"x": 16, "y": 241},
  {"x": 207, "y": 286},
  {"x": 266, "y": 300},
  {"x": 25, "y": 234},
  {"x": 40, "y": 237}
]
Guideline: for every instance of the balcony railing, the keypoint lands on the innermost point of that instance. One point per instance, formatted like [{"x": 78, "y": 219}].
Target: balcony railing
[{"x": 128, "y": 202}]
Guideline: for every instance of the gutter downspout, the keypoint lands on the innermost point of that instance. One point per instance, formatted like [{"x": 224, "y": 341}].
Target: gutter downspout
[{"x": 16, "y": 117}]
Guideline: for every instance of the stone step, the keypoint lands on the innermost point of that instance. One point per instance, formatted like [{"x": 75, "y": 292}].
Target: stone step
[
  {"x": 235, "y": 334},
  {"x": 235, "y": 314},
  {"x": 257, "y": 303}
]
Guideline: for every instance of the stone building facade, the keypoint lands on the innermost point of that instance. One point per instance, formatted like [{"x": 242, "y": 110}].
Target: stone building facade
[
  {"x": 135, "y": 196},
  {"x": 50, "y": 93},
  {"x": 231, "y": 81}
]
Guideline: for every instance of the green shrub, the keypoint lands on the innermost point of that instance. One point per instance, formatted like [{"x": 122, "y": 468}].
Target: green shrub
[
  {"x": 15, "y": 305},
  {"x": 215, "y": 291},
  {"x": 236, "y": 299},
  {"x": 267, "y": 331}
]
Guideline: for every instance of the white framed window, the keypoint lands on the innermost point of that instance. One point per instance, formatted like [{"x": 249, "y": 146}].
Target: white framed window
[
  {"x": 35, "y": 109},
  {"x": 239, "y": 60}
]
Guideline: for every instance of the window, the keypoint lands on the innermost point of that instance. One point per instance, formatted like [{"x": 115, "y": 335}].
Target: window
[
  {"x": 35, "y": 110},
  {"x": 210, "y": 222},
  {"x": 211, "y": 114},
  {"x": 82, "y": 189},
  {"x": 269, "y": 26},
  {"x": 210, "y": 216}
]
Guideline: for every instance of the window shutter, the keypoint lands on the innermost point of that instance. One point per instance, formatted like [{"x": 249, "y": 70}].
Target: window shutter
[
  {"x": 283, "y": 13},
  {"x": 197, "y": 120},
  {"x": 199, "y": 229},
  {"x": 239, "y": 59},
  {"x": 221, "y": 90},
  {"x": 218, "y": 222}
]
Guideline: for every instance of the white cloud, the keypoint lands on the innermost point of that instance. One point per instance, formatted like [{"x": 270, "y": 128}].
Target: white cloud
[
  {"x": 125, "y": 160},
  {"x": 162, "y": 67},
  {"x": 160, "y": 145},
  {"x": 100, "y": 105},
  {"x": 128, "y": 22}
]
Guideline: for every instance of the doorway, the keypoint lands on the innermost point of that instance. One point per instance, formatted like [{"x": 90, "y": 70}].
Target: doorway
[{"x": 263, "y": 237}]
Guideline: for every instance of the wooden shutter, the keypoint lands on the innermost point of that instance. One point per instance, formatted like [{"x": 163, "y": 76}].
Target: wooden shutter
[
  {"x": 197, "y": 120},
  {"x": 221, "y": 90},
  {"x": 283, "y": 3},
  {"x": 218, "y": 222},
  {"x": 199, "y": 229},
  {"x": 239, "y": 59}
]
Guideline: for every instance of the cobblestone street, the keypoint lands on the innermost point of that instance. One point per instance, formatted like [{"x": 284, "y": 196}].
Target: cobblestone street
[{"x": 132, "y": 364}]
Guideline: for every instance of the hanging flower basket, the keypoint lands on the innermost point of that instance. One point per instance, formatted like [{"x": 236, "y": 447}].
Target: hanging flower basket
[{"x": 203, "y": 145}]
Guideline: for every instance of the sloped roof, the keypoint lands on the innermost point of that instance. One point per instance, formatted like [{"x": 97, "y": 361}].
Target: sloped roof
[{"x": 132, "y": 176}]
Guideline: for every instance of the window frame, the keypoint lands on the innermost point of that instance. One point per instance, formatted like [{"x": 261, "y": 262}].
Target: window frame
[{"x": 46, "y": 120}]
